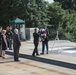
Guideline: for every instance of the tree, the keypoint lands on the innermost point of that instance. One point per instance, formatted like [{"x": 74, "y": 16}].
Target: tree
[
  {"x": 9, "y": 10},
  {"x": 70, "y": 18},
  {"x": 67, "y": 4},
  {"x": 56, "y": 14},
  {"x": 57, "y": 18},
  {"x": 33, "y": 11}
]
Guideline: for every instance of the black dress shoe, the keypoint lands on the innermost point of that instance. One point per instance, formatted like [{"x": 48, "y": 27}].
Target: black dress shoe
[
  {"x": 10, "y": 49},
  {"x": 17, "y": 60},
  {"x": 0, "y": 56},
  {"x": 33, "y": 55},
  {"x": 37, "y": 54},
  {"x": 42, "y": 53}
]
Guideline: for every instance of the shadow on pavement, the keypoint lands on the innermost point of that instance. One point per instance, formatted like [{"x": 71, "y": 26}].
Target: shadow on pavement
[
  {"x": 2, "y": 62},
  {"x": 47, "y": 61}
]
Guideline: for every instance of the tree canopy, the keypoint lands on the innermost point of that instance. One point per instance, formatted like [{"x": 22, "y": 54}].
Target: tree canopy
[
  {"x": 67, "y": 4},
  {"x": 33, "y": 11},
  {"x": 60, "y": 15}
]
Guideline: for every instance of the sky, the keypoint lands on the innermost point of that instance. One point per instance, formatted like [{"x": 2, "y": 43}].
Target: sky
[{"x": 50, "y": 1}]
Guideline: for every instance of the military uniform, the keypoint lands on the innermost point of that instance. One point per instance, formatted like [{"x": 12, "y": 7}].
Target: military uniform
[{"x": 9, "y": 39}]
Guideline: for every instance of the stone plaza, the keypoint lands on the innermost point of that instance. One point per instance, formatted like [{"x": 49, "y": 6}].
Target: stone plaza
[{"x": 61, "y": 60}]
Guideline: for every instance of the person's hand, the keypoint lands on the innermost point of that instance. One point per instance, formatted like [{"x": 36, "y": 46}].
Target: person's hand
[{"x": 42, "y": 39}]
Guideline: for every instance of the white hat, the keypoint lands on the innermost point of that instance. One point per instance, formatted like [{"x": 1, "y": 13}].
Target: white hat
[
  {"x": 16, "y": 31},
  {"x": 43, "y": 30}
]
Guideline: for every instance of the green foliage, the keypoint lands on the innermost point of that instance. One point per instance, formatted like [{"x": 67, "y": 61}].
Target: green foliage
[
  {"x": 33, "y": 11},
  {"x": 67, "y": 4},
  {"x": 58, "y": 16},
  {"x": 63, "y": 18}
]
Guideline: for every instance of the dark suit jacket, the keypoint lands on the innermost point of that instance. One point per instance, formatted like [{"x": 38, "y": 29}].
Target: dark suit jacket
[
  {"x": 16, "y": 41},
  {"x": 36, "y": 37}
]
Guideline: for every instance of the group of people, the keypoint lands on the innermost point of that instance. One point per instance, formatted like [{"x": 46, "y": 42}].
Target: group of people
[
  {"x": 6, "y": 38},
  {"x": 43, "y": 35}
]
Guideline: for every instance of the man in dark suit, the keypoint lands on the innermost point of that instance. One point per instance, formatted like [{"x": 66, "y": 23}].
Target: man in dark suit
[
  {"x": 16, "y": 44},
  {"x": 36, "y": 41}
]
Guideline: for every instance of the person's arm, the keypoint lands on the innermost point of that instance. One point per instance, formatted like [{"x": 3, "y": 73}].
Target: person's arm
[{"x": 18, "y": 39}]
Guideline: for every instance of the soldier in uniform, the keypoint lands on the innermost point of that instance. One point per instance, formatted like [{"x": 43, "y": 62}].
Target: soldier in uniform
[{"x": 9, "y": 37}]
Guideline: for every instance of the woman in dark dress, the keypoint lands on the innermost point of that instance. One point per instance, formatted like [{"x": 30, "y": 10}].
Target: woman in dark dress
[{"x": 4, "y": 43}]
